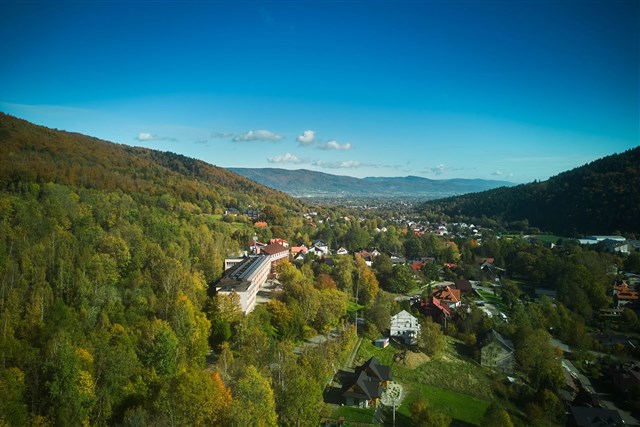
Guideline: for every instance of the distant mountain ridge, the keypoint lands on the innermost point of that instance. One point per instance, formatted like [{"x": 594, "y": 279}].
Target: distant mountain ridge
[
  {"x": 307, "y": 183},
  {"x": 601, "y": 197}
]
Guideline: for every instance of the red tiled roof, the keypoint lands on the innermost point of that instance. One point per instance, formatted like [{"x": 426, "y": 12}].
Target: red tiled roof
[
  {"x": 438, "y": 305},
  {"x": 447, "y": 294},
  {"x": 261, "y": 224},
  {"x": 418, "y": 265}
]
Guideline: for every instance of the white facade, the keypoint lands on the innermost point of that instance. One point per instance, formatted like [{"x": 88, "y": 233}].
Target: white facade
[
  {"x": 245, "y": 280},
  {"x": 404, "y": 326}
]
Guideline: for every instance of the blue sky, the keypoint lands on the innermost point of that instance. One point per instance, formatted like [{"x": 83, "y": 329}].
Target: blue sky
[{"x": 513, "y": 90}]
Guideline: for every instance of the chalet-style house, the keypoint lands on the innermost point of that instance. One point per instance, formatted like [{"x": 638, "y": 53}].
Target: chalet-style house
[
  {"x": 497, "y": 352},
  {"x": 365, "y": 387},
  {"x": 404, "y": 327}
]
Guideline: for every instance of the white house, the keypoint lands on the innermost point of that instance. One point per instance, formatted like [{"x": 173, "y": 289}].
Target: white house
[
  {"x": 404, "y": 326},
  {"x": 320, "y": 248}
]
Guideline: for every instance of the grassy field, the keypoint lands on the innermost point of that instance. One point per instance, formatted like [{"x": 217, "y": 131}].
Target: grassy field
[
  {"x": 456, "y": 405},
  {"x": 355, "y": 415},
  {"x": 491, "y": 298},
  {"x": 456, "y": 386}
]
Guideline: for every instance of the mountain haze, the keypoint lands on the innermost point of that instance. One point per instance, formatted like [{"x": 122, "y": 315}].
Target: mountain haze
[
  {"x": 306, "y": 183},
  {"x": 601, "y": 197}
]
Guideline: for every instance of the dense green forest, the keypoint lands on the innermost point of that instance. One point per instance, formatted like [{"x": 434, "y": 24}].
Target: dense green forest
[
  {"x": 106, "y": 255},
  {"x": 601, "y": 197}
]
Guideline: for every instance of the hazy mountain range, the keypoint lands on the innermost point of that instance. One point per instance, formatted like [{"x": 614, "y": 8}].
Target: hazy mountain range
[{"x": 311, "y": 184}]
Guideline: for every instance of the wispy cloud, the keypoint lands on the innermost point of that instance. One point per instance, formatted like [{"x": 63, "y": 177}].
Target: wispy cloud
[
  {"x": 201, "y": 141},
  {"x": 258, "y": 135},
  {"x": 147, "y": 137},
  {"x": 221, "y": 135},
  {"x": 307, "y": 137},
  {"x": 287, "y": 158},
  {"x": 349, "y": 164},
  {"x": 334, "y": 145},
  {"x": 293, "y": 159}
]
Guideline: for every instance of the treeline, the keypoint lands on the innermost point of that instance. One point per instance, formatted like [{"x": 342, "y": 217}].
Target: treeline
[{"x": 601, "y": 197}]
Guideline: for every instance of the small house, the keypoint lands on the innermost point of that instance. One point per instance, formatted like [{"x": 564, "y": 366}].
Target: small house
[{"x": 381, "y": 342}]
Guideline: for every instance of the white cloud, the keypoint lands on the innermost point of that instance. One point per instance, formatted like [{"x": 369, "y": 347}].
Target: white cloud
[
  {"x": 334, "y": 145},
  {"x": 146, "y": 137},
  {"x": 307, "y": 137},
  {"x": 287, "y": 158},
  {"x": 258, "y": 135},
  {"x": 499, "y": 173},
  {"x": 349, "y": 164}
]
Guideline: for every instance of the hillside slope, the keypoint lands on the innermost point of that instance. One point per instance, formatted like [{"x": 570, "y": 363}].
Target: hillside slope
[
  {"x": 306, "y": 183},
  {"x": 598, "y": 198},
  {"x": 31, "y": 153}
]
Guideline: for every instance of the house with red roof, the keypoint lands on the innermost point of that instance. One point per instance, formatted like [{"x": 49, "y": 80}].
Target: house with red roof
[
  {"x": 448, "y": 296},
  {"x": 624, "y": 295},
  {"x": 434, "y": 308},
  {"x": 279, "y": 241}
]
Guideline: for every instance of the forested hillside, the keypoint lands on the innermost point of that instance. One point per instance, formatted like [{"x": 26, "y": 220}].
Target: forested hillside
[
  {"x": 31, "y": 153},
  {"x": 106, "y": 254},
  {"x": 601, "y": 197}
]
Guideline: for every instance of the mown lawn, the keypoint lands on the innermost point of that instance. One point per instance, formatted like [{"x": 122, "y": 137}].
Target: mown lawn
[
  {"x": 490, "y": 297},
  {"x": 355, "y": 415},
  {"x": 456, "y": 386},
  {"x": 456, "y": 405}
]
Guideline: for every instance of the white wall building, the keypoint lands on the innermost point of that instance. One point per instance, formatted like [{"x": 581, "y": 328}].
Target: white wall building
[
  {"x": 404, "y": 326},
  {"x": 245, "y": 279}
]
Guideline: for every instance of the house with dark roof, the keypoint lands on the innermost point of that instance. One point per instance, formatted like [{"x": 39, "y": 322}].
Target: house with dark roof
[
  {"x": 464, "y": 286},
  {"x": 434, "y": 308},
  {"x": 364, "y": 388},
  {"x": 626, "y": 376},
  {"x": 584, "y": 416},
  {"x": 497, "y": 352}
]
